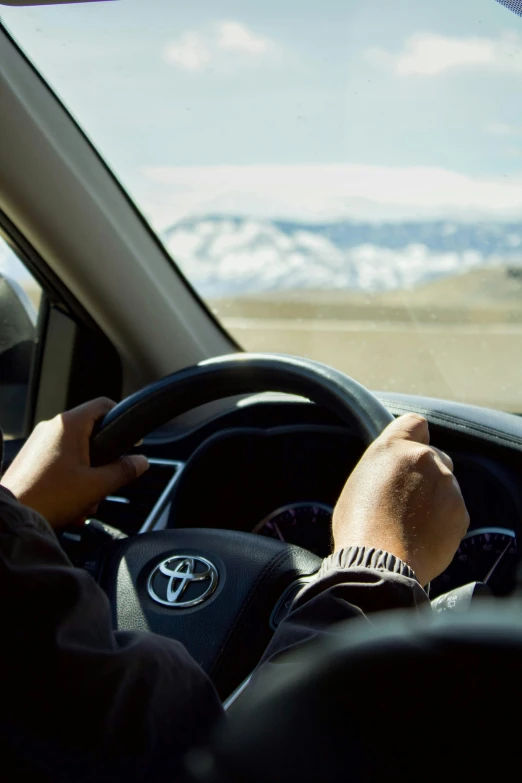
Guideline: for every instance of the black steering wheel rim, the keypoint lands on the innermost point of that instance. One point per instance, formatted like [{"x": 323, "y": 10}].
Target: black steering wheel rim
[
  {"x": 227, "y": 633},
  {"x": 226, "y": 376}
]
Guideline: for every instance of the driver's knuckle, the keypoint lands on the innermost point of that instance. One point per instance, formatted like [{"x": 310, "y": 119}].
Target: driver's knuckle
[
  {"x": 128, "y": 468},
  {"x": 423, "y": 457},
  {"x": 415, "y": 420},
  {"x": 45, "y": 426},
  {"x": 422, "y": 453},
  {"x": 102, "y": 404}
]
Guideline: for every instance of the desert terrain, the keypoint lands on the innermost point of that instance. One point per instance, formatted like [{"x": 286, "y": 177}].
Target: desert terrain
[{"x": 459, "y": 337}]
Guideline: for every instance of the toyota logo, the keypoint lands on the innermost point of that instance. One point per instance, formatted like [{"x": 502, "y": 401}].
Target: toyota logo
[{"x": 183, "y": 580}]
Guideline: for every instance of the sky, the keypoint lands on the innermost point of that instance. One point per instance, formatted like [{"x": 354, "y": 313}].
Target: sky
[{"x": 306, "y": 109}]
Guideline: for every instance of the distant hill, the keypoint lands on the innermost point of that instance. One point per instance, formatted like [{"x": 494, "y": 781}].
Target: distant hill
[
  {"x": 489, "y": 287},
  {"x": 483, "y": 295},
  {"x": 229, "y": 255}
]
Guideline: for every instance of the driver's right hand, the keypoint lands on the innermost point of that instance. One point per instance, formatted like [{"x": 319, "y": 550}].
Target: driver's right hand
[{"x": 403, "y": 498}]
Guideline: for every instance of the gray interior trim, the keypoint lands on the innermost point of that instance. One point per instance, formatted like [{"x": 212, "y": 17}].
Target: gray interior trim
[
  {"x": 158, "y": 512},
  {"x": 56, "y": 365},
  {"x": 234, "y": 696}
]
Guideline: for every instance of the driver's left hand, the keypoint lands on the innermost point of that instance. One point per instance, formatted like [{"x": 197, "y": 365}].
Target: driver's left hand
[{"x": 52, "y": 472}]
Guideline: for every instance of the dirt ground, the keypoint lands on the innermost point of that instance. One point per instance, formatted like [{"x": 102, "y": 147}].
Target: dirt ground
[{"x": 458, "y": 338}]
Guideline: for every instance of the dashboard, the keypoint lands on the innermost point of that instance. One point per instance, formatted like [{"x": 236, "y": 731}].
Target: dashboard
[{"x": 275, "y": 467}]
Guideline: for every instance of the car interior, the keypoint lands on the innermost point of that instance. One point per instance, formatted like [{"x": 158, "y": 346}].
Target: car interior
[{"x": 248, "y": 450}]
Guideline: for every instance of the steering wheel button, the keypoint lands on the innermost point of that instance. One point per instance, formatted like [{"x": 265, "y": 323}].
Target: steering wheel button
[{"x": 284, "y": 605}]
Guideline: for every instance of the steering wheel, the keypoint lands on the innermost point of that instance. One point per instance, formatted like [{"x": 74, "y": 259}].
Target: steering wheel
[{"x": 215, "y": 590}]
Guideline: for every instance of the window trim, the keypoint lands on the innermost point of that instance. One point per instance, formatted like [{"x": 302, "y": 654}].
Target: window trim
[
  {"x": 57, "y": 293},
  {"x": 58, "y": 309}
]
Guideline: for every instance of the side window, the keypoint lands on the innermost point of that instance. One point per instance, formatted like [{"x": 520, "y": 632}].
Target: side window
[{"x": 20, "y": 298}]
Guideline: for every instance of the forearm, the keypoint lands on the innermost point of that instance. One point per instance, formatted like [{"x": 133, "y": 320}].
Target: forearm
[{"x": 125, "y": 695}]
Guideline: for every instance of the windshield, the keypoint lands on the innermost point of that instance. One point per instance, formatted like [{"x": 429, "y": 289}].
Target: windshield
[{"x": 338, "y": 179}]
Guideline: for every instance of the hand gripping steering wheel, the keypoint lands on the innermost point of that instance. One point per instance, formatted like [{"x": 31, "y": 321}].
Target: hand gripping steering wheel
[{"x": 215, "y": 590}]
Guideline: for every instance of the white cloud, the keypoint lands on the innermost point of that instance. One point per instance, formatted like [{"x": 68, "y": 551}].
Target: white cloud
[
  {"x": 429, "y": 54},
  {"x": 328, "y": 192},
  {"x": 503, "y": 129},
  {"x": 514, "y": 152},
  {"x": 190, "y": 53},
  {"x": 235, "y": 37},
  {"x": 194, "y": 50}
]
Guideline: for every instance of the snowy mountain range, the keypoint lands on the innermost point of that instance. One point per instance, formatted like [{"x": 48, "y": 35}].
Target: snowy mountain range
[{"x": 229, "y": 255}]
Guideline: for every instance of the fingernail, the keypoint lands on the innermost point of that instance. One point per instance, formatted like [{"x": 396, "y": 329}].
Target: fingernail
[{"x": 141, "y": 462}]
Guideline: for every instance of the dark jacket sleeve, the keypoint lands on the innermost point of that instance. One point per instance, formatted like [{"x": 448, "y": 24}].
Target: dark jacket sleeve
[
  {"x": 71, "y": 684},
  {"x": 354, "y": 582},
  {"x": 132, "y": 703}
]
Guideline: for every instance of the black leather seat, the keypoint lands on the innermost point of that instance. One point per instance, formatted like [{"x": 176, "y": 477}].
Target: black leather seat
[{"x": 399, "y": 700}]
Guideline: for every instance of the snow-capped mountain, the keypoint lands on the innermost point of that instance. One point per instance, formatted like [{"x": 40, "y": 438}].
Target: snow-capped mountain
[{"x": 224, "y": 256}]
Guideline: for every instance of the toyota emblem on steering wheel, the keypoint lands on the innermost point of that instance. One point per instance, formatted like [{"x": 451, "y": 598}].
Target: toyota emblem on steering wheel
[{"x": 182, "y": 581}]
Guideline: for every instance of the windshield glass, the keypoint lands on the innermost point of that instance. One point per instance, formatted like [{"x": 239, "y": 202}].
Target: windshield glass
[{"x": 338, "y": 179}]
